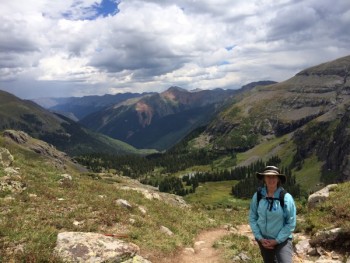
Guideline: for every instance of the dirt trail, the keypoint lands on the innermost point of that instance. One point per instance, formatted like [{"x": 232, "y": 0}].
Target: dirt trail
[{"x": 203, "y": 251}]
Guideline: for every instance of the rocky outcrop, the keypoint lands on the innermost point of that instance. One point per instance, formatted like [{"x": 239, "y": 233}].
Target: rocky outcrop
[
  {"x": 12, "y": 181},
  {"x": 12, "y": 185},
  {"x": 320, "y": 196},
  {"x": 58, "y": 158},
  {"x": 19, "y": 137},
  {"x": 336, "y": 239},
  {"x": 6, "y": 158},
  {"x": 94, "y": 247},
  {"x": 150, "y": 192}
]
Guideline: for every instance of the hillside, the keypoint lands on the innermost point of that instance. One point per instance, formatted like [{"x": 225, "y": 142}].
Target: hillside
[
  {"x": 40, "y": 199},
  {"x": 60, "y": 131},
  {"x": 157, "y": 120},
  {"x": 310, "y": 111}
]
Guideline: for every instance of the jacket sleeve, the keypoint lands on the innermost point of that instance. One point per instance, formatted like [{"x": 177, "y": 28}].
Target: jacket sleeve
[
  {"x": 253, "y": 218},
  {"x": 289, "y": 219}
]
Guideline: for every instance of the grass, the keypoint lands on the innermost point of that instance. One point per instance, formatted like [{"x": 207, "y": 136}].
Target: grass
[
  {"x": 235, "y": 245},
  {"x": 281, "y": 146},
  {"x": 215, "y": 199},
  {"x": 215, "y": 194},
  {"x": 309, "y": 176},
  {"x": 225, "y": 162}
]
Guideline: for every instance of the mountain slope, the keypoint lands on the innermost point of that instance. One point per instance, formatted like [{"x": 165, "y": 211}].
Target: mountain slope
[
  {"x": 78, "y": 107},
  {"x": 65, "y": 134},
  {"x": 312, "y": 107},
  {"x": 157, "y": 120}
]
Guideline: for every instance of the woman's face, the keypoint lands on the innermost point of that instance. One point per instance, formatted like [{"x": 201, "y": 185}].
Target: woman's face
[{"x": 271, "y": 180}]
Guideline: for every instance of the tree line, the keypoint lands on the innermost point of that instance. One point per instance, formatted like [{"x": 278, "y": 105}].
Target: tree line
[
  {"x": 143, "y": 168},
  {"x": 135, "y": 166}
]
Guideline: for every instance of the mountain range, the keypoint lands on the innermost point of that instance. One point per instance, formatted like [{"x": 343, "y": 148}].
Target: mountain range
[
  {"x": 158, "y": 120},
  {"x": 55, "y": 129},
  {"x": 147, "y": 120},
  {"x": 77, "y": 108},
  {"x": 304, "y": 119}
]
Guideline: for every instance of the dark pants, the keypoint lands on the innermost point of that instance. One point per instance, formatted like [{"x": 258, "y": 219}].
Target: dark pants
[{"x": 282, "y": 253}]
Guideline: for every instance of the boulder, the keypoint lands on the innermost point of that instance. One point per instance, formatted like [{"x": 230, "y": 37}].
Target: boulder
[
  {"x": 302, "y": 247},
  {"x": 93, "y": 247},
  {"x": 7, "y": 184},
  {"x": 320, "y": 196},
  {"x": 124, "y": 203},
  {"x": 6, "y": 158},
  {"x": 166, "y": 230}
]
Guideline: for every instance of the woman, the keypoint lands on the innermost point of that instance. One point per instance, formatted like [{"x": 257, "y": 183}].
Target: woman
[{"x": 272, "y": 225}]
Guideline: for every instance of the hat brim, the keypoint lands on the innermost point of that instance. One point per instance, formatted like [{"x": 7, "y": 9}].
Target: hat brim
[{"x": 282, "y": 177}]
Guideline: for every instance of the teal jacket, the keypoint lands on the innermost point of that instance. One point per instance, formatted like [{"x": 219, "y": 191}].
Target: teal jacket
[{"x": 275, "y": 223}]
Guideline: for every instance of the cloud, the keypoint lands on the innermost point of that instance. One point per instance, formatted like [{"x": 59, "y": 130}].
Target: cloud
[{"x": 85, "y": 47}]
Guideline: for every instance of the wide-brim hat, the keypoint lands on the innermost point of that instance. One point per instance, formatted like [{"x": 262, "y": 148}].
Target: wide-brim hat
[{"x": 271, "y": 170}]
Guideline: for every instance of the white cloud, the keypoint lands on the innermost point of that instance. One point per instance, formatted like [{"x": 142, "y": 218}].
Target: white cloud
[{"x": 151, "y": 45}]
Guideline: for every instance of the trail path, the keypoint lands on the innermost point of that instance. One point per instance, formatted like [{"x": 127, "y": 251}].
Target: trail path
[{"x": 203, "y": 250}]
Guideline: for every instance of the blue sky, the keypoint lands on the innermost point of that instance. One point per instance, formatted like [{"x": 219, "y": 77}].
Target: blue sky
[
  {"x": 93, "y": 47},
  {"x": 107, "y": 7}
]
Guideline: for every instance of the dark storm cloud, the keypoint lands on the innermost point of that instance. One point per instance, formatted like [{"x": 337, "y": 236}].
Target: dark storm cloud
[{"x": 146, "y": 54}]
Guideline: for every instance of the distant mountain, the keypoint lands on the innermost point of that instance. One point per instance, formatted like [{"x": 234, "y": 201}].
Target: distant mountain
[
  {"x": 312, "y": 109},
  {"x": 77, "y": 108},
  {"x": 252, "y": 85},
  {"x": 66, "y": 135},
  {"x": 157, "y": 120}
]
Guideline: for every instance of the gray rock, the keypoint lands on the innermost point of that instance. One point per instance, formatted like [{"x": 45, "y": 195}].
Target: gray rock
[
  {"x": 6, "y": 158},
  {"x": 241, "y": 257},
  {"x": 12, "y": 172},
  {"x": 67, "y": 176},
  {"x": 124, "y": 203},
  {"x": 320, "y": 196},
  {"x": 142, "y": 210},
  {"x": 166, "y": 230},
  {"x": 13, "y": 186},
  {"x": 302, "y": 247},
  {"x": 93, "y": 247}
]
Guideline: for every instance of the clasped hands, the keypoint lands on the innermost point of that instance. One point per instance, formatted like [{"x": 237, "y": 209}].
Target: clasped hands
[{"x": 268, "y": 243}]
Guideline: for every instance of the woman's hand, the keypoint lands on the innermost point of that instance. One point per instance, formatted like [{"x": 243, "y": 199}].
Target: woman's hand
[{"x": 268, "y": 243}]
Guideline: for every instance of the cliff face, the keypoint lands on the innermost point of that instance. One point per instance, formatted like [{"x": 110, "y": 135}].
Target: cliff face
[{"x": 338, "y": 154}]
